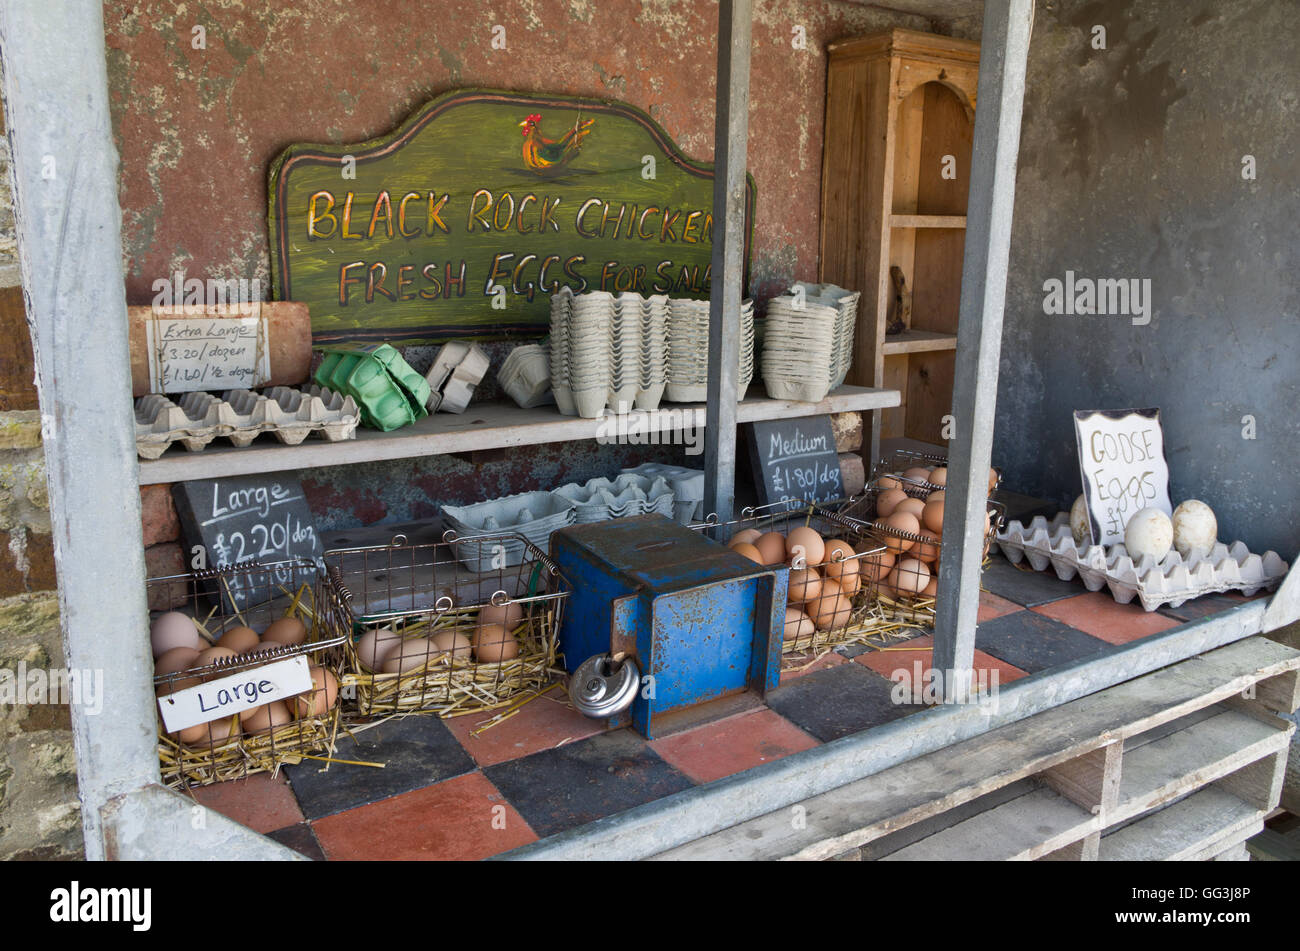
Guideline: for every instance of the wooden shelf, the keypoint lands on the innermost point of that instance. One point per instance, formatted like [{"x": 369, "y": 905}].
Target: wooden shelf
[
  {"x": 927, "y": 221},
  {"x": 1206, "y": 822},
  {"x": 496, "y": 425},
  {"x": 918, "y": 341}
]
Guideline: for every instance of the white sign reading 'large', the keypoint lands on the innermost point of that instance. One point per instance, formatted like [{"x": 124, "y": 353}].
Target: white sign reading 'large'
[
  {"x": 1122, "y": 462},
  {"x": 237, "y": 693}
]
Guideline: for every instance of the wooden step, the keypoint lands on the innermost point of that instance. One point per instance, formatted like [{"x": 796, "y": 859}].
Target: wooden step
[
  {"x": 1024, "y": 829},
  {"x": 1208, "y": 820},
  {"x": 1160, "y": 771}
]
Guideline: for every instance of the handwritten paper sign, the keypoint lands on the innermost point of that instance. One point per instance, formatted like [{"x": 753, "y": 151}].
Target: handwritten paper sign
[
  {"x": 463, "y": 221},
  {"x": 207, "y": 353},
  {"x": 1122, "y": 462},
  {"x": 237, "y": 693},
  {"x": 795, "y": 459},
  {"x": 261, "y": 518}
]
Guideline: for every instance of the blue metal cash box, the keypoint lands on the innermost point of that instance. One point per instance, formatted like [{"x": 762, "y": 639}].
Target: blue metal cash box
[{"x": 700, "y": 621}]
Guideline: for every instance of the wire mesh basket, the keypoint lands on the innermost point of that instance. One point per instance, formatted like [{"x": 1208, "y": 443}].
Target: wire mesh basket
[
  {"x": 830, "y": 595},
  {"x": 896, "y": 462},
  {"x": 221, "y": 601},
  {"x": 909, "y": 583},
  {"x": 425, "y": 633}
]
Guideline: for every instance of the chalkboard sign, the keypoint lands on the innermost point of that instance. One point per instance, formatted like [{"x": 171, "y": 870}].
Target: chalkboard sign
[
  {"x": 253, "y": 518},
  {"x": 795, "y": 459},
  {"x": 1122, "y": 462}
]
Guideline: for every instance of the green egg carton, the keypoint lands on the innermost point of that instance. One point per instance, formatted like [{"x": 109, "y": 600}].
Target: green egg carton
[{"x": 389, "y": 393}]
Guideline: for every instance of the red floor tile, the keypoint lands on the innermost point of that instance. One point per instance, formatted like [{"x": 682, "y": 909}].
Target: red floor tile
[
  {"x": 992, "y": 606},
  {"x": 808, "y": 666},
  {"x": 259, "y": 802},
  {"x": 1100, "y": 615},
  {"x": 539, "y": 725},
  {"x": 465, "y": 818},
  {"x": 887, "y": 661},
  {"x": 729, "y": 746}
]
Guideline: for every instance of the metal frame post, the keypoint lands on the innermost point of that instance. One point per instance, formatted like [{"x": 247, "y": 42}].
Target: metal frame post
[
  {"x": 1004, "y": 49},
  {"x": 730, "y": 137}
]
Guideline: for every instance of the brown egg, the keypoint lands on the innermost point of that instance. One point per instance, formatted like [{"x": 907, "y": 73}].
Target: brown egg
[
  {"x": 933, "y": 516},
  {"x": 832, "y": 609},
  {"x": 211, "y": 656},
  {"x": 266, "y": 647},
  {"x": 745, "y": 536},
  {"x": 453, "y": 643},
  {"x": 842, "y": 565},
  {"x": 508, "y": 615},
  {"x": 804, "y": 543},
  {"x": 266, "y": 718},
  {"x": 749, "y": 551},
  {"x": 375, "y": 646},
  {"x": 239, "y": 639},
  {"x": 939, "y": 476},
  {"x": 494, "y": 644},
  {"x": 412, "y": 654},
  {"x": 874, "y": 567},
  {"x": 917, "y": 474},
  {"x": 176, "y": 659},
  {"x": 902, "y": 522},
  {"x": 176, "y": 683},
  {"x": 192, "y": 735},
  {"x": 936, "y": 495},
  {"x": 888, "y": 482},
  {"x": 174, "y": 629},
  {"x": 932, "y": 589},
  {"x": 772, "y": 547},
  {"x": 887, "y": 501},
  {"x": 805, "y": 585},
  {"x": 885, "y": 590},
  {"x": 320, "y": 699},
  {"x": 909, "y": 577},
  {"x": 797, "y": 624},
  {"x": 993, "y": 479},
  {"x": 927, "y": 551},
  {"x": 215, "y": 734},
  {"x": 909, "y": 504},
  {"x": 287, "y": 630}
]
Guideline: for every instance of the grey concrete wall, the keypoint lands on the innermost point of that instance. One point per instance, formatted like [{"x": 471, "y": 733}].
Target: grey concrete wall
[{"x": 1131, "y": 166}]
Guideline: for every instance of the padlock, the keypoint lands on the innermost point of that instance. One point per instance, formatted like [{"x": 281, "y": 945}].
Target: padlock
[{"x": 603, "y": 687}]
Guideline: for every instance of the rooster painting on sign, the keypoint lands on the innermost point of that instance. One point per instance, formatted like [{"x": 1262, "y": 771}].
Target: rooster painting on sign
[{"x": 548, "y": 156}]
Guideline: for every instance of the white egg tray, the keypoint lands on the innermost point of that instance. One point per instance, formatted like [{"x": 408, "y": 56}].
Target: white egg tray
[
  {"x": 291, "y": 414},
  {"x": 525, "y": 376},
  {"x": 601, "y": 499},
  {"x": 687, "y": 485},
  {"x": 533, "y": 515},
  {"x": 1171, "y": 581}
]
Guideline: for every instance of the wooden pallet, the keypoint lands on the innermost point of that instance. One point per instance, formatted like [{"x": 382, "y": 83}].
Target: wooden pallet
[{"x": 1183, "y": 763}]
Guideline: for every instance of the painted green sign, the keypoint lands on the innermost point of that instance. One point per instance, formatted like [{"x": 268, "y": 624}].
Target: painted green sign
[{"x": 463, "y": 221}]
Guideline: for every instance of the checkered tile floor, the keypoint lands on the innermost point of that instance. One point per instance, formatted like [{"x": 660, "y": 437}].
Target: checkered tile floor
[{"x": 446, "y": 791}]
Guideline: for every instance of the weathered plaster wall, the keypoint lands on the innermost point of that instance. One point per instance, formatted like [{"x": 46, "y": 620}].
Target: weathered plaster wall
[{"x": 1131, "y": 166}]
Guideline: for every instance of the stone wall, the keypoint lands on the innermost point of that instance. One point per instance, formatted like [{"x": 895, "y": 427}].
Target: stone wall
[{"x": 40, "y": 816}]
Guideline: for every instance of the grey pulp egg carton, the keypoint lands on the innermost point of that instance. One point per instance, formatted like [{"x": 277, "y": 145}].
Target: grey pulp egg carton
[
  {"x": 525, "y": 376},
  {"x": 1171, "y": 580},
  {"x": 601, "y": 499},
  {"x": 687, "y": 485},
  {"x": 291, "y": 414},
  {"x": 457, "y": 371},
  {"x": 533, "y": 515}
]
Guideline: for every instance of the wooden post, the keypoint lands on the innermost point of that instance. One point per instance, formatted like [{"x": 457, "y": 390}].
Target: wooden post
[
  {"x": 1004, "y": 48},
  {"x": 731, "y": 135}
]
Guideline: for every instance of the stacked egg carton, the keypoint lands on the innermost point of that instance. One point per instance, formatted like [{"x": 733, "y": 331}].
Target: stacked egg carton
[
  {"x": 534, "y": 515},
  {"x": 687, "y": 486},
  {"x": 607, "y": 351},
  {"x": 1171, "y": 580},
  {"x": 688, "y": 350},
  {"x": 525, "y": 376},
  {"x": 808, "y": 341},
  {"x": 291, "y": 414},
  {"x": 627, "y": 495}
]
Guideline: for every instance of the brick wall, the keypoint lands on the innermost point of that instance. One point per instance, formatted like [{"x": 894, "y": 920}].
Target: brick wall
[{"x": 40, "y": 815}]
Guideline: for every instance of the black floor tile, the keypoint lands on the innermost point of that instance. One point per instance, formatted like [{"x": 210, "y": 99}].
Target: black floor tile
[
  {"x": 301, "y": 839},
  {"x": 1033, "y": 642},
  {"x": 1026, "y": 588},
  {"x": 416, "y": 751},
  {"x": 580, "y": 782},
  {"x": 838, "y": 701},
  {"x": 1200, "y": 607}
]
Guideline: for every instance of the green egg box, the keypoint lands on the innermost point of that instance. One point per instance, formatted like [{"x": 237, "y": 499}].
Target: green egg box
[{"x": 389, "y": 393}]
